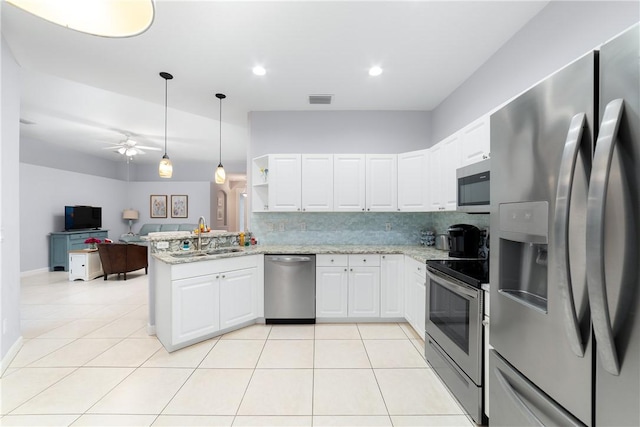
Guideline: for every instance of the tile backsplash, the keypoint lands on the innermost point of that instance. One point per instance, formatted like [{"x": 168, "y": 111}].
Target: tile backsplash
[{"x": 369, "y": 228}]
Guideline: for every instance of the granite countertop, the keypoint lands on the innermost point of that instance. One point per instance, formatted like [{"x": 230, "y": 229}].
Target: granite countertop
[{"x": 419, "y": 253}]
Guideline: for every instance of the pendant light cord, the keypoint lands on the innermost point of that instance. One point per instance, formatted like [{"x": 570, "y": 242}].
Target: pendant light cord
[
  {"x": 220, "y": 123},
  {"x": 166, "y": 97}
]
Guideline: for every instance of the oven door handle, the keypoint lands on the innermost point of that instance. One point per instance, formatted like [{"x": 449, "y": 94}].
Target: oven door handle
[{"x": 450, "y": 284}]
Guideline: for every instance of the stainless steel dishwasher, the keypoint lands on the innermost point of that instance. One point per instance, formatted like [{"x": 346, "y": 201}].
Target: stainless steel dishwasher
[{"x": 290, "y": 288}]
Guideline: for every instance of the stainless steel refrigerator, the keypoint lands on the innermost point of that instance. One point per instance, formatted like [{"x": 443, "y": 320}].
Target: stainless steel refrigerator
[{"x": 565, "y": 284}]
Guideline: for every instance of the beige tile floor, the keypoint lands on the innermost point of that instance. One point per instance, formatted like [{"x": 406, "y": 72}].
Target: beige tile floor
[{"x": 87, "y": 361}]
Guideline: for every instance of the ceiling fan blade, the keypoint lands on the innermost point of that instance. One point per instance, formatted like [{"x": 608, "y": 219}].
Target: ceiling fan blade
[{"x": 149, "y": 148}]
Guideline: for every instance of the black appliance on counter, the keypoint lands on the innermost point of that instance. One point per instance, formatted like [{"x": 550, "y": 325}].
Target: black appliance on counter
[
  {"x": 464, "y": 240},
  {"x": 454, "y": 343}
]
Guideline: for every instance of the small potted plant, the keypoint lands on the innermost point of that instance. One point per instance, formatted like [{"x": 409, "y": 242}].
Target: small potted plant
[{"x": 93, "y": 242}]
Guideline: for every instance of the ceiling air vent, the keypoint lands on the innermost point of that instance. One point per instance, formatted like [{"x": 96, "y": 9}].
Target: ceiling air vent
[
  {"x": 320, "y": 99},
  {"x": 27, "y": 122}
]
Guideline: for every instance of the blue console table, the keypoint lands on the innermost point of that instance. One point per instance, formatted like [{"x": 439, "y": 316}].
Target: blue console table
[{"x": 60, "y": 243}]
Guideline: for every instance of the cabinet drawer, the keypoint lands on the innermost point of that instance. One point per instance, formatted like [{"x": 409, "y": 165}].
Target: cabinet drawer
[
  {"x": 332, "y": 260},
  {"x": 81, "y": 236},
  {"x": 364, "y": 260}
]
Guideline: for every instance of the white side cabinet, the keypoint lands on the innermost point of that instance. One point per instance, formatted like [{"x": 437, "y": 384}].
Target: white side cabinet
[
  {"x": 382, "y": 183},
  {"x": 413, "y": 181},
  {"x": 487, "y": 347},
  {"x": 349, "y": 182},
  {"x": 84, "y": 264},
  {"x": 415, "y": 295},
  {"x": 392, "y": 286}
]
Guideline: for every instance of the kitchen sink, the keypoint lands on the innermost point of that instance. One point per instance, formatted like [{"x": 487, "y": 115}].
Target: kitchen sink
[{"x": 194, "y": 254}]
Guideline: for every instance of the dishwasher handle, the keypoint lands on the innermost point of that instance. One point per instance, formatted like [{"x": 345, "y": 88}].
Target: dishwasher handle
[{"x": 290, "y": 259}]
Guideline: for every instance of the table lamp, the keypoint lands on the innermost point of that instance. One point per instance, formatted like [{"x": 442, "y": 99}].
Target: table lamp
[{"x": 130, "y": 214}]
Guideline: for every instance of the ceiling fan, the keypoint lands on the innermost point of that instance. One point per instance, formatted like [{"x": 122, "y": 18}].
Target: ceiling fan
[{"x": 130, "y": 148}]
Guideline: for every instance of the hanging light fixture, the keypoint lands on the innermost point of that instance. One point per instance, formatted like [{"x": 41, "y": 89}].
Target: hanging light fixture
[
  {"x": 165, "y": 168},
  {"x": 221, "y": 176}
]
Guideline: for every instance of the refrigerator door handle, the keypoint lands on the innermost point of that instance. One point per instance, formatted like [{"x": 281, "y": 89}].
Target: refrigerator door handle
[
  {"x": 596, "y": 281},
  {"x": 517, "y": 400},
  {"x": 561, "y": 232}
]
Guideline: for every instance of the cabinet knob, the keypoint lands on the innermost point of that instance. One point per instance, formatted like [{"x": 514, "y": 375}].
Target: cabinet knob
[
  {"x": 364, "y": 260},
  {"x": 383, "y": 257},
  {"x": 345, "y": 269},
  {"x": 331, "y": 260},
  {"x": 218, "y": 276},
  {"x": 351, "y": 269},
  {"x": 368, "y": 209},
  {"x": 223, "y": 276},
  {"x": 298, "y": 209},
  {"x": 362, "y": 209}
]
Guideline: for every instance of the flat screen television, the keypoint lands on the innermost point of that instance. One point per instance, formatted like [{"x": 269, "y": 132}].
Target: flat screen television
[{"x": 82, "y": 217}]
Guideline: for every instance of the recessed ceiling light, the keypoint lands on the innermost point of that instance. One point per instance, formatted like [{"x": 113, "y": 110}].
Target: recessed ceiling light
[
  {"x": 375, "y": 71},
  {"x": 259, "y": 71}
]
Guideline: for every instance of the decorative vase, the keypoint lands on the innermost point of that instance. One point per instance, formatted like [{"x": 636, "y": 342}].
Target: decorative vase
[{"x": 93, "y": 246}]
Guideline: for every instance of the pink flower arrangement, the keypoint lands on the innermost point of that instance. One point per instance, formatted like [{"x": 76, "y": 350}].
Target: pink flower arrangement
[{"x": 93, "y": 240}]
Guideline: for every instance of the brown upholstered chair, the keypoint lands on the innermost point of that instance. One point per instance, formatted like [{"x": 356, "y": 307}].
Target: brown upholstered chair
[{"x": 122, "y": 258}]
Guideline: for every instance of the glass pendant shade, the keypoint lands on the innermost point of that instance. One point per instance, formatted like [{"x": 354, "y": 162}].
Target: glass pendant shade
[
  {"x": 221, "y": 176},
  {"x": 165, "y": 168}
]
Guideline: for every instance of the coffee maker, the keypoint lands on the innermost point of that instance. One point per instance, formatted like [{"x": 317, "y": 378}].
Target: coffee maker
[{"x": 464, "y": 240}]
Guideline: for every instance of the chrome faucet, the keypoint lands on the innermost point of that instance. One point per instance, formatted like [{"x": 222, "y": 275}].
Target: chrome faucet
[{"x": 202, "y": 221}]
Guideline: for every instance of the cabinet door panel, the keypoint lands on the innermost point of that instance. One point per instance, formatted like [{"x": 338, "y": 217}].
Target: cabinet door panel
[
  {"x": 392, "y": 286},
  {"x": 195, "y": 304},
  {"x": 364, "y": 292},
  {"x": 420, "y": 296},
  {"x": 475, "y": 141},
  {"x": 349, "y": 182},
  {"x": 284, "y": 183},
  {"x": 317, "y": 182},
  {"x": 413, "y": 181},
  {"x": 238, "y": 297},
  {"x": 382, "y": 182},
  {"x": 331, "y": 292}
]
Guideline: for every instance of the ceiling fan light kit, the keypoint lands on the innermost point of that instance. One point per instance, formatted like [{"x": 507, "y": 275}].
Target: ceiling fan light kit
[
  {"x": 165, "y": 168},
  {"x": 220, "y": 175}
]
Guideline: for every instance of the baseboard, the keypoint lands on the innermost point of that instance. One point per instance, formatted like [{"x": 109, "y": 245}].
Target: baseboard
[
  {"x": 8, "y": 358},
  {"x": 33, "y": 272}
]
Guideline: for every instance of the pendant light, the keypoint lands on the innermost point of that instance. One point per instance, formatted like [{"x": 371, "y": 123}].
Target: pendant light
[
  {"x": 165, "y": 168},
  {"x": 221, "y": 176}
]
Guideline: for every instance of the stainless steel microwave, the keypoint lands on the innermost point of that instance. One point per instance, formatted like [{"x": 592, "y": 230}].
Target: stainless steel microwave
[{"x": 473, "y": 187}]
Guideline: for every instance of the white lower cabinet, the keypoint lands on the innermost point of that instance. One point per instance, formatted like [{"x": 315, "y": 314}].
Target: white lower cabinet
[
  {"x": 238, "y": 297},
  {"x": 332, "y": 290},
  {"x": 415, "y": 295},
  {"x": 194, "y": 303},
  {"x": 347, "y": 286},
  {"x": 364, "y": 292},
  {"x": 392, "y": 286}
]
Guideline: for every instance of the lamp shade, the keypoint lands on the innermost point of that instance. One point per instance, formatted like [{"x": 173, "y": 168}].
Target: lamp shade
[{"x": 130, "y": 214}]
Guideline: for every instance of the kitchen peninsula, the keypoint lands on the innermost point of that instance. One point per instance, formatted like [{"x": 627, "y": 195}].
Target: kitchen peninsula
[{"x": 196, "y": 295}]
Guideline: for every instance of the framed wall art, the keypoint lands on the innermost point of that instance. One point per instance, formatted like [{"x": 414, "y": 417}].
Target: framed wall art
[
  {"x": 158, "y": 206},
  {"x": 179, "y": 206}
]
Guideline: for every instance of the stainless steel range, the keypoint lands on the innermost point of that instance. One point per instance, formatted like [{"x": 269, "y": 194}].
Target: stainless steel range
[{"x": 454, "y": 341}]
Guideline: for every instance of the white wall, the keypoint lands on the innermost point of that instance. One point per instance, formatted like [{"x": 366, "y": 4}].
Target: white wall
[
  {"x": 44, "y": 192},
  {"x": 321, "y": 132},
  {"x": 9, "y": 202},
  {"x": 560, "y": 33},
  {"x": 199, "y": 200}
]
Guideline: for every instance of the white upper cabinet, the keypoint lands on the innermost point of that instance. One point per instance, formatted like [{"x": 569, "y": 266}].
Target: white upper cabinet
[
  {"x": 444, "y": 159},
  {"x": 382, "y": 182},
  {"x": 413, "y": 180},
  {"x": 317, "y": 182},
  {"x": 285, "y": 182},
  {"x": 475, "y": 141},
  {"x": 349, "y": 179}
]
